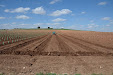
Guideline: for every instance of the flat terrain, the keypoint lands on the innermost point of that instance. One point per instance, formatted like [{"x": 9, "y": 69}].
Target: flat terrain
[{"x": 69, "y": 51}]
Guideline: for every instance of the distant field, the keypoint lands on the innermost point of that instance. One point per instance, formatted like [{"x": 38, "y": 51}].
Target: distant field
[{"x": 69, "y": 51}]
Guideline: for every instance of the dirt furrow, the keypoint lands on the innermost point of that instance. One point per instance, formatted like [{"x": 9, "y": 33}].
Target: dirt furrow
[
  {"x": 62, "y": 45},
  {"x": 33, "y": 45},
  {"x": 87, "y": 46},
  {"x": 80, "y": 44},
  {"x": 54, "y": 45},
  {"x": 64, "y": 49},
  {"x": 75, "y": 47},
  {"x": 110, "y": 48},
  {"x": 10, "y": 50},
  {"x": 19, "y": 42},
  {"x": 40, "y": 48}
]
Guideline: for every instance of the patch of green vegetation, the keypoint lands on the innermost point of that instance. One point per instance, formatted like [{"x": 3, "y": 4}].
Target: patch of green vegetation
[
  {"x": 62, "y": 74},
  {"x": 46, "y": 74},
  {"x": 57, "y": 74},
  {"x": 97, "y": 74},
  {"x": 2, "y": 74}
]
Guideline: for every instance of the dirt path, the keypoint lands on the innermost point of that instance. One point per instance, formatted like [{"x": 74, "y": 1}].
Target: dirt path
[
  {"x": 57, "y": 45},
  {"x": 53, "y": 45}
]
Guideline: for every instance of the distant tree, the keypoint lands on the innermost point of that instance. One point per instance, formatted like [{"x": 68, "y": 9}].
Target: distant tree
[
  {"x": 38, "y": 27},
  {"x": 48, "y": 27}
]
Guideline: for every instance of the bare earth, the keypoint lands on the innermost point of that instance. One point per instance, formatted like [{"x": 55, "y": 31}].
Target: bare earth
[{"x": 67, "y": 52}]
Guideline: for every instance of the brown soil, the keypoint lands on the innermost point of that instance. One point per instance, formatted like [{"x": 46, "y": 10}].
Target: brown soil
[{"x": 70, "y": 52}]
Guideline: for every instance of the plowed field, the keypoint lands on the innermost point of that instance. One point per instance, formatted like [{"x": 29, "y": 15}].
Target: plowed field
[{"x": 70, "y": 52}]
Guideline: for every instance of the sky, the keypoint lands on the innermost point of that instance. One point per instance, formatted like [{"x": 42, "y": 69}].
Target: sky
[{"x": 91, "y": 15}]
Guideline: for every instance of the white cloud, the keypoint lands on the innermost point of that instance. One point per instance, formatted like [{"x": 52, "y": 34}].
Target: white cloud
[
  {"x": 55, "y": 24},
  {"x": 54, "y": 1},
  {"x": 39, "y": 10},
  {"x": 83, "y": 12},
  {"x": 61, "y": 12},
  {"x": 52, "y": 23},
  {"x": 17, "y": 10},
  {"x": 2, "y": 5},
  {"x": 106, "y": 18},
  {"x": 24, "y": 24},
  {"x": 108, "y": 25},
  {"x": 22, "y": 17},
  {"x": 92, "y": 21},
  {"x": 13, "y": 23},
  {"x": 102, "y": 3},
  {"x": 39, "y": 24},
  {"x": 58, "y": 20},
  {"x": 90, "y": 26},
  {"x": 62, "y": 27},
  {"x": 6, "y": 10},
  {"x": 93, "y": 25},
  {"x": 6, "y": 24},
  {"x": 2, "y": 17}
]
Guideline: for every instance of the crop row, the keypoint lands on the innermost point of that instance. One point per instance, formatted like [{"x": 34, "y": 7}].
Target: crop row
[{"x": 8, "y": 37}]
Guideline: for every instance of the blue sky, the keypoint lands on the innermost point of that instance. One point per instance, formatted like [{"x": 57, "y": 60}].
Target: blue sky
[{"x": 94, "y": 15}]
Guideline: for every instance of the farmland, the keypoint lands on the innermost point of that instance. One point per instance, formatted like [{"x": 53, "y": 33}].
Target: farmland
[{"x": 27, "y": 52}]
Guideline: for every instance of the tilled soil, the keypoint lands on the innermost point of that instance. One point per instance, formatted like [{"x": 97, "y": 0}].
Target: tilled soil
[{"x": 60, "y": 53}]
